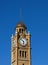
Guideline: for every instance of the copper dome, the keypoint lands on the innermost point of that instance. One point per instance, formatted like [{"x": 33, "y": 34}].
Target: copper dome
[{"x": 20, "y": 24}]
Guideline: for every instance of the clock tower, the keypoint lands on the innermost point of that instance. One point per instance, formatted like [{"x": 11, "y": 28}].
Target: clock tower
[{"x": 20, "y": 46}]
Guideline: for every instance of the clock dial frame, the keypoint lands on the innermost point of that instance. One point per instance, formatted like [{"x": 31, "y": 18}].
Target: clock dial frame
[{"x": 23, "y": 41}]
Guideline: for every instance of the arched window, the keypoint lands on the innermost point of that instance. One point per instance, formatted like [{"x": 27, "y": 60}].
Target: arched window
[
  {"x": 23, "y": 64},
  {"x": 22, "y": 30},
  {"x": 19, "y": 30},
  {"x": 25, "y": 54},
  {"x": 20, "y": 53}
]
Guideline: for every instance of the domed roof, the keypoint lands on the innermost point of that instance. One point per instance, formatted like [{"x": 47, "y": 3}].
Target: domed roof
[{"x": 20, "y": 24}]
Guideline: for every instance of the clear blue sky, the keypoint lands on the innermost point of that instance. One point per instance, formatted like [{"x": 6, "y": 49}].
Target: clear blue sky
[{"x": 35, "y": 17}]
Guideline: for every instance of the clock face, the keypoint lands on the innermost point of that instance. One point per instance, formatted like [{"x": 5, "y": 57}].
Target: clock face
[{"x": 22, "y": 41}]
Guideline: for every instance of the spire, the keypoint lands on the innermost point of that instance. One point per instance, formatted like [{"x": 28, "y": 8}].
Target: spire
[
  {"x": 20, "y": 24},
  {"x": 20, "y": 14}
]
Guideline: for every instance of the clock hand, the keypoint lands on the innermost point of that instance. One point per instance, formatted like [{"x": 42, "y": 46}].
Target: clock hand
[{"x": 23, "y": 41}]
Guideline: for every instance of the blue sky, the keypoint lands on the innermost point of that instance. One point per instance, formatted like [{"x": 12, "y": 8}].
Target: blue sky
[{"x": 35, "y": 17}]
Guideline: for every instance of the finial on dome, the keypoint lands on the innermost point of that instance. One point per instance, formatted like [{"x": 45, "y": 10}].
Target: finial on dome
[{"x": 20, "y": 14}]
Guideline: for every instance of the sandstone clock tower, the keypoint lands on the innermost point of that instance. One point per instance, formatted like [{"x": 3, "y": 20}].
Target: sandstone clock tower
[{"x": 20, "y": 48}]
